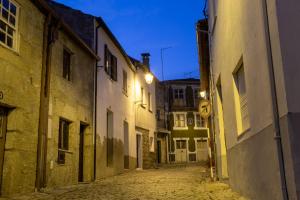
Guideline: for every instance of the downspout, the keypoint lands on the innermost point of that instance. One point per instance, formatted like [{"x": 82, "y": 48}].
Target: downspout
[
  {"x": 49, "y": 38},
  {"x": 276, "y": 119},
  {"x": 95, "y": 108}
]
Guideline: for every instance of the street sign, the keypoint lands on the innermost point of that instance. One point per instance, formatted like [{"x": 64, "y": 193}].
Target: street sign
[{"x": 204, "y": 109}]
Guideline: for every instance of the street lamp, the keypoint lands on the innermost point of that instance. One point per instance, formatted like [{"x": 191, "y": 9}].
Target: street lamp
[
  {"x": 149, "y": 78},
  {"x": 203, "y": 94}
]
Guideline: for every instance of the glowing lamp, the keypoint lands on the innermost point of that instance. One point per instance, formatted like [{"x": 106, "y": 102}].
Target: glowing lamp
[
  {"x": 203, "y": 94},
  {"x": 149, "y": 78}
]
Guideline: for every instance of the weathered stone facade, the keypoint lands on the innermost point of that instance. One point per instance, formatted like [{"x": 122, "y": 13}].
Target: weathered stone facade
[
  {"x": 72, "y": 100},
  {"x": 20, "y": 83}
]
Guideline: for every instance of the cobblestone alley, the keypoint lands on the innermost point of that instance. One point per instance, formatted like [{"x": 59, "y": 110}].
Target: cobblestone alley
[{"x": 158, "y": 184}]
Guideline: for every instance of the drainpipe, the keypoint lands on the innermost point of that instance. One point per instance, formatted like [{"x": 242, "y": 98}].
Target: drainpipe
[
  {"x": 95, "y": 106},
  {"x": 50, "y": 36},
  {"x": 276, "y": 118}
]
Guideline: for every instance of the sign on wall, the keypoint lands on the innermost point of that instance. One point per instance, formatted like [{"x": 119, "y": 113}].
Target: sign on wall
[{"x": 205, "y": 109}]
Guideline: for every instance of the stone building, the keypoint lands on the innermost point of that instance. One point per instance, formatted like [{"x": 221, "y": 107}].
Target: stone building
[
  {"x": 21, "y": 60},
  {"x": 188, "y": 137},
  {"x": 42, "y": 65},
  {"x": 254, "y": 67},
  {"x": 145, "y": 120},
  {"x": 117, "y": 96}
]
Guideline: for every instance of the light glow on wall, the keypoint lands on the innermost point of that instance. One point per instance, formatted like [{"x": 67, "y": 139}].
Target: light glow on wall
[{"x": 149, "y": 78}]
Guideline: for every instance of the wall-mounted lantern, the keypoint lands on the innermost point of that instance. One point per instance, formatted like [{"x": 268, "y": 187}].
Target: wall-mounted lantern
[{"x": 149, "y": 78}]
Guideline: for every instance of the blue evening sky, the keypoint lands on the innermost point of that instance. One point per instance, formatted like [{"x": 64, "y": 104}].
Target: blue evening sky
[{"x": 149, "y": 25}]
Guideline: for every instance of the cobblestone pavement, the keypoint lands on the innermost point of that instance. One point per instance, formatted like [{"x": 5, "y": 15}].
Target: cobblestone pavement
[{"x": 182, "y": 183}]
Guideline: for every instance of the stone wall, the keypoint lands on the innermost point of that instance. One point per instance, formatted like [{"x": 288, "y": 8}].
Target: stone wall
[
  {"x": 149, "y": 158},
  {"x": 20, "y": 80},
  {"x": 71, "y": 100}
]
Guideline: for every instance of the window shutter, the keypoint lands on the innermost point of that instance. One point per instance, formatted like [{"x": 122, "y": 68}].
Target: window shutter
[
  {"x": 105, "y": 59},
  {"x": 114, "y": 68}
]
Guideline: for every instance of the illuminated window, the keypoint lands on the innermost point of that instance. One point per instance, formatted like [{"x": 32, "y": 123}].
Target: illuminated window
[
  {"x": 8, "y": 23},
  {"x": 63, "y": 140},
  {"x": 179, "y": 120}
]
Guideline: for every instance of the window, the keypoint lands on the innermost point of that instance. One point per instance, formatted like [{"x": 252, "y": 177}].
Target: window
[
  {"x": 180, "y": 120},
  {"x": 180, "y": 144},
  {"x": 110, "y": 64},
  {"x": 142, "y": 97},
  {"x": 151, "y": 144},
  {"x": 158, "y": 115},
  {"x": 199, "y": 121},
  {"x": 241, "y": 100},
  {"x": 124, "y": 81},
  {"x": 8, "y": 23},
  {"x": 63, "y": 140},
  {"x": 178, "y": 94},
  {"x": 149, "y": 102},
  {"x": 196, "y": 93},
  {"x": 67, "y": 65}
]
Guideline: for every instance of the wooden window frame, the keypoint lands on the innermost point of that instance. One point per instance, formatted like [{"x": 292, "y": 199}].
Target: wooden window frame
[
  {"x": 110, "y": 64},
  {"x": 63, "y": 140},
  {"x": 11, "y": 30}
]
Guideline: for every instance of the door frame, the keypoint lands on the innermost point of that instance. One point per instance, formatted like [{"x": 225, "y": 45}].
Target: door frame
[
  {"x": 187, "y": 146},
  {"x": 4, "y": 129},
  {"x": 81, "y": 154},
  {"x": 139, "y": 164},
  {"x": 159, "y": 151}
]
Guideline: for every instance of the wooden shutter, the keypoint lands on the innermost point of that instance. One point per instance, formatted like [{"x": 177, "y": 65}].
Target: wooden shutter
[{"x": 114, "y": 68}]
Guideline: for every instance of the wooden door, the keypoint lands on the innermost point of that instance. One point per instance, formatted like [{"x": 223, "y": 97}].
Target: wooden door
[
  {"x": 202, "y": 150},
  {"x": 3, "y": 118},
  {"x": 181, "y": 151}
]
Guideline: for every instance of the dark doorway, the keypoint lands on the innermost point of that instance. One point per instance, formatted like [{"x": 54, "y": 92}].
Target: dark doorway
[
  {"x": 110, "y": 138},
  {"x": 3, "y": 118},
  {"x": 139, "y": 151},
  {"x": 159, "y": 152},
  {"x": 126, "y": 145},
  {"x": 81, "y": 153}
]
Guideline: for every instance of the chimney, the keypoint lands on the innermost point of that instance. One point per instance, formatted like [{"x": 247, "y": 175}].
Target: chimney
[{"x": 146, "y": 59}]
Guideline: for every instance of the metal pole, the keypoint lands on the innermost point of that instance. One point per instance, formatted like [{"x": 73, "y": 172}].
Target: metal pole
[{"x": 276, "y": 117}]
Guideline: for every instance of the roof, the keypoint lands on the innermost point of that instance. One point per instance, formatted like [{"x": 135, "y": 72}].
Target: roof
[
  {"x": 84, "y": 25},
  {"x": 103, "y": 25},
  {"x": 46, "y": 9},
  {"x": 183, "y": 81}
]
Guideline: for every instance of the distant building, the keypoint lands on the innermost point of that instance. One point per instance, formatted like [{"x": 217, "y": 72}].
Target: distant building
[
  {"x": 255, "y": 89},
  {"x": 187, "y": 138}
]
